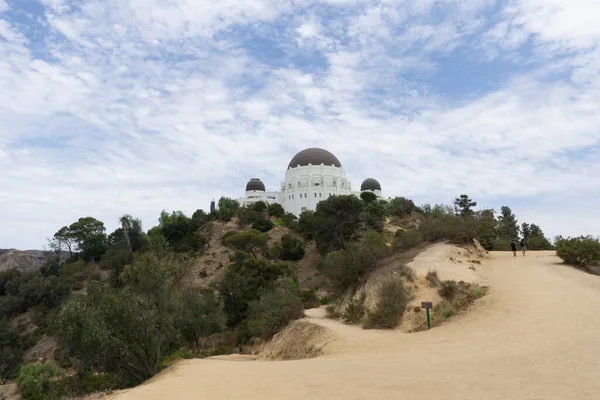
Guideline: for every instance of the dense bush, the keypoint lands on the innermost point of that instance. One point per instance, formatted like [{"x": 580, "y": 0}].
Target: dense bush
[
  {"x": 248, "y": 241},
  {"x": 274, "y": 310},
  {"x": 201, "y": 315},
  {"x": 227, "y": 208},
  {"x": 401, "y": 206},
  {"x": 348, "y": 268},
  {"x": 291, "y": 248},
  {"x": 263, "y": 225},
  {"x": 309, "y": 299},
  {"x": 127, "y": 331},
  {"x": 406, "y": 240},
  {"x": 39, "y": 382},
  {"x": 243, "y": 280},
  {"x": 247, "y": 216},
  {"x": 336, "y": 222},
  {"x": 275, "y": 210},
  {"x": 368, "y": 197},
  {"x": 582, "y": 251},
  {"x": 391, "y": 306},
  {"x": 12, "y": 347},
  {"x": 539, "y": 243},
  {"x": 259, "y": 206},
  {"x": 374, "y": 216}
]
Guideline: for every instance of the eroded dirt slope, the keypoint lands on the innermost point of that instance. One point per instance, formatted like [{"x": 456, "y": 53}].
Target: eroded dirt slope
[{"x": 535, "y": 336}]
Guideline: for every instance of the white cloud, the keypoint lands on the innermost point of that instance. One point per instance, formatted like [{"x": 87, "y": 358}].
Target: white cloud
[
  {"x": 151, "y": 105},
  {"x": 567, "y": 24},
  {"x": 3, "y": 6}
]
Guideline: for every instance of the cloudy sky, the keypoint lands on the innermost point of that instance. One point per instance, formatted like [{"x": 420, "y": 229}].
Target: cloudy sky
[{"x": 110, "y": 107}]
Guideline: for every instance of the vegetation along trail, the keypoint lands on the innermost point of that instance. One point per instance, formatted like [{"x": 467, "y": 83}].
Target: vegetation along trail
[{"x": 535, "y": 336}]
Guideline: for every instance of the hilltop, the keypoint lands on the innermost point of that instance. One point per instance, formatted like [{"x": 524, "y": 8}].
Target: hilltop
[{"x": 252, "y": 279}]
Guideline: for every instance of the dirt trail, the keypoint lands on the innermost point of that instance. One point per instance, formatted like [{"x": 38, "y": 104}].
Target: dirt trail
[{"x": 536, "y": 336}]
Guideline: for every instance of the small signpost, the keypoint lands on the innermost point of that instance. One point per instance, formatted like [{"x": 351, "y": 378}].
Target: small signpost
[{"x": 427, "y": 305}]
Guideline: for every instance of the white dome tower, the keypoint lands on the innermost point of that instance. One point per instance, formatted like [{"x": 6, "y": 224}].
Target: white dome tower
[{"x": 313, "y": 175}]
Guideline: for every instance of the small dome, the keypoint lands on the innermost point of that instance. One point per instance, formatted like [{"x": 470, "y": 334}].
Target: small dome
[
  {"x": 255, "y": 184},
  {"x": 314, "y": 156},
  {"x": 370, "y": 184}
]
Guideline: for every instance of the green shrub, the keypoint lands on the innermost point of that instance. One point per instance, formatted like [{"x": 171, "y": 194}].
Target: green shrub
[
  {"x": 39, "y": 382},
  {"x": 203, "y": 273},
  {"x": 477, "y": 291},
  {"x": 347, "y": 268},
  {"x": 539, "y": 243},
  {"x": 355, "y": 310},
  {"x": 309, "y": 299},
  {"x": 391, "y": 306},
  {"x": 263, "y": 225},
  {"x": 226, "y": 236},
  {"x": 274, "y": 310},
  {"x": 406, "y": 240},
  {"x": 292, "y": 248},
  {"x": 275, "y": 210},
  {"x": 583, "y": 251},
  {"x": 432, "y": 278},
  {"x": 447, "y": 310},
  {"x": 247, "y": 216},
  {"x": 259, "y": 206}
]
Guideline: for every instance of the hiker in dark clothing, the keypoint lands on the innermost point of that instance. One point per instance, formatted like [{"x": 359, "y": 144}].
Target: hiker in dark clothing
[
  {"x": 513, "y": 246},
  {"x": 523, "y": 246}
]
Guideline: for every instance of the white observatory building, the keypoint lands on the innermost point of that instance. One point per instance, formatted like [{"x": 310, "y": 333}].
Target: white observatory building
[{"x": 312, "y": 175}]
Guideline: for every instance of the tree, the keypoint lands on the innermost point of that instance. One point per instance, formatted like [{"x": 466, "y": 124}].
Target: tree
[
  {"x": 337, "y": 221},
  {"x": 243, "y": 281},
  {"x": 525, "y": 230},
  {"x": 180, "y": 232},
  {"x": 85, "y": 234},
  {"x": 65, "y": 238},
  {"x": 368, "y": 197},
  {"x": 275, "y": 210},
  {"x": 263, "y": 225},
  {"x": 259, "y": 206},
  {"x": 11, "y": 349},
  {"x": 127, "y": 331},
  {"x": 200, "y": 219},
  {"x": 35, "y": 382},
  {"x": 401, "y": 206},
  {"x": 348, "y": 267},
  {"x": 227, "y": 208},
  {"x": 201, "y": 315},
  {"x": 291, "y": 248},
  {"x": 374, "y": 216},
  {"x": 485, "y": 228},
  {"x": 275, "y": 309},
  {"x": 248, "y": 241},
  {"x": 463, "y": 206},
  {"x": 507, "y": 224}
]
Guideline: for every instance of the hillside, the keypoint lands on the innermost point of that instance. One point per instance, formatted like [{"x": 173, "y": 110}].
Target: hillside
[
  {"x": 529, "y": 339},
  {"x": 28, "y": 260}
]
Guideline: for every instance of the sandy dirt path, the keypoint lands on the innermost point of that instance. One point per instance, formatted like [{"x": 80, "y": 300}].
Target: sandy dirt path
[{"x": 535, "y": 336}]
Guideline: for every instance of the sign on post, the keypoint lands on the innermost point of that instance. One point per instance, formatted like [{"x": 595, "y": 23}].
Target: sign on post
[{"x": 427, "y": 305}]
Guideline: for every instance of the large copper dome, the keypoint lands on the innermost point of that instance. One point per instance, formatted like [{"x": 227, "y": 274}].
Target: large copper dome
[{"x": 314, "y": 156}]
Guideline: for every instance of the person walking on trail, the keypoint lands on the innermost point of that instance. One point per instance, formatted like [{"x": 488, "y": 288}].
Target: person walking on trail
[
  {"x": 523, "y": 246},
  {"x": 513, "y": 246}
]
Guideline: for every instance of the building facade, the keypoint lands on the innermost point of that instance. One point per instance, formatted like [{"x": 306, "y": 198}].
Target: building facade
[{"x": 312, "y": 175}]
